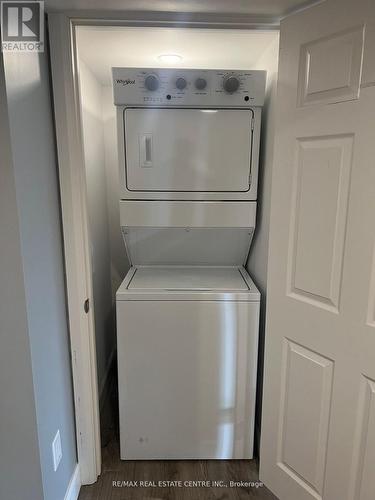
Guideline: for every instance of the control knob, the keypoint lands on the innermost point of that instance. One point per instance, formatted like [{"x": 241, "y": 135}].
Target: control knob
[
  {"x": 200, "y": 83},
  {"x": 181, "y": 83},
  {"x": 231, "y": 84},
  {"x": 152, "y": 82}
]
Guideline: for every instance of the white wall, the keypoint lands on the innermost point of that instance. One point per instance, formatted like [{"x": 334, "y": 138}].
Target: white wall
[
  {"x": 257, "y": 263},
  {"x": 250, "y": 46},
  {"x": 96, "y": 183},
  {"x": 32, "y": 142},
  {"x": 258, "y": 259}
]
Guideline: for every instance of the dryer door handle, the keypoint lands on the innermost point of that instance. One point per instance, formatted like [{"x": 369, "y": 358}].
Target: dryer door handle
[{"x": 145, "y": 150}]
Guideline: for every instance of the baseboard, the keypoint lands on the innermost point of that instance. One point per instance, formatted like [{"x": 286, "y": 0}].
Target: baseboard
[
  {"x": 104, "y": 383},
  {"x": 74, "y": 485}
]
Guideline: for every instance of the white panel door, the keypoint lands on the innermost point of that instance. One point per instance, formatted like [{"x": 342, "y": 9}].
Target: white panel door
[
  {"x": 188, "y": 149},
  {"x": 318, "y": 427}
]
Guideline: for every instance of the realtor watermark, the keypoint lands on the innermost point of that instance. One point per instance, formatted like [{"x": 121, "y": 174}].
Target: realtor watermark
[
  {"x": 22, "y": 26},
  {"x": 186, "y": 484}
]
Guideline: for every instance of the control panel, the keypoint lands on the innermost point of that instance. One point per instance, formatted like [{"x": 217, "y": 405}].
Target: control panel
[{"x": 188, "y": 87}]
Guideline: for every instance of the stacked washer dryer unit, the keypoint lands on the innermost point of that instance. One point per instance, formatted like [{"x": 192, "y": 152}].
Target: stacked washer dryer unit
[{"x": 187, "y": 311}]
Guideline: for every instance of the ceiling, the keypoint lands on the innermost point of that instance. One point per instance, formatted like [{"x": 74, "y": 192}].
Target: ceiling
[
  {"x": 101, "y": 48},
  {"x": 274, "y": 9}
]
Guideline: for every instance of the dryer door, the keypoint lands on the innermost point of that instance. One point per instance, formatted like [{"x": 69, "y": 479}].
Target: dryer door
[{"x": 188, "y": 150}]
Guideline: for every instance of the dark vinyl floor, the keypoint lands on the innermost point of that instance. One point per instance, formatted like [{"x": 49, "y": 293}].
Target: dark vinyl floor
[{"x": 114, "y": 469}]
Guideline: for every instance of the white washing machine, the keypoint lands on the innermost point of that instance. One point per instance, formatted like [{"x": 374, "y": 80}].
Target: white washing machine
[{"x": 187, "y": 311}]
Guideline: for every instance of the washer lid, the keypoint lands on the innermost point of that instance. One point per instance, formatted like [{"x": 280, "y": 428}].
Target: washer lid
[
  {"x": 202, "y": 283},
  {"x": 188, "y": 278}
]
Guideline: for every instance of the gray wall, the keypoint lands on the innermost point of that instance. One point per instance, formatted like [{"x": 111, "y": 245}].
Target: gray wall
[
  {"x": 97, "y": 205},
  {"x": 36, "y": 183},
  {"x": 20, "y": 474}
]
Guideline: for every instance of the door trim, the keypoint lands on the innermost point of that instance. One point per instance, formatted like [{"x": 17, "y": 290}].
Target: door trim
[
  {"x": 76, "y": 244},
  {"x": 68, "y": 123}
]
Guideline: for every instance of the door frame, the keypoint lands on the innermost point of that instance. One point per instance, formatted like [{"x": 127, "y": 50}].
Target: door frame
[{"x": 71, "y": 166}]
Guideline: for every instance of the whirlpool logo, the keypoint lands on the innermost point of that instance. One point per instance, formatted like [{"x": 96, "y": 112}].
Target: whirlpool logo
[{"x": 125, "y": 81}]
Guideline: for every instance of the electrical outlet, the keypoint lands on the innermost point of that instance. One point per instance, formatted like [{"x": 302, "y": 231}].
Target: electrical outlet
[{"x": 56, "y": 451}]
